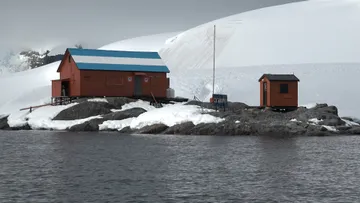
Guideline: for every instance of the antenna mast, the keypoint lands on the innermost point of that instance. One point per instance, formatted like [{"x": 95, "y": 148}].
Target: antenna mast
[{"x": 214, "y": 51}]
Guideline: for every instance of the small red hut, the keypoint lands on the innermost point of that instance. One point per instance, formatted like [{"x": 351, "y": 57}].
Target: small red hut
[
  {"x": 279, "y": 91},
  {"x": 98, "y": 73}
]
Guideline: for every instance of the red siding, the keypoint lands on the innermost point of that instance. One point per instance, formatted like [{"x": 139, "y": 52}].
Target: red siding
[
  {"x": 117, "y": 83},
  {"x": 56, "y": 88},
  {"x": 277, "y": 99},
  {"x": 68, "y": 70},
  {"x": 90, "y": 83}
]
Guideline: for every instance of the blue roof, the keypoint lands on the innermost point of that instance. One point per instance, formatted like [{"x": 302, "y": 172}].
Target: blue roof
[
  {"x": 109, "y": 53},
  {"x": 94, "y": 59}
]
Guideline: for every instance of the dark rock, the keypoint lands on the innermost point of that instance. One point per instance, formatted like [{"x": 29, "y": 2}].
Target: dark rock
[
  {"x": 206, "y": 105},
  {"x": 118, "y": 102},
  {"x": 355, "y": 120},
  {"x": 85, "y": 110},
  {"x": 348, "y": 119},
  {"x": 4, "y": 123},
  {"x": 236, "y": 106},
  {"x": 317, "y": 131},
  {"x": 120, "y": 115},
  {"x": 24, "y": 127},
  {"x": 180, "y": 129},
  {"x": 320, "y": 106},
  {"x": 126, "y": 130},
  {"x": 344, "y": 128},
  {"x": 332, "y": 122},
  {"x": 207, "y": 129},
  {"x": 92, "y": 125},
  {"x": 152, "y": 129},
  {"x": 353, "y": 131}
]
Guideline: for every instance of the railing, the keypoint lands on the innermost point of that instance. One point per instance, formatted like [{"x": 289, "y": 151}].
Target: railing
[
  {"x": 157, "y": 105},
  {"x": 63, "y": 100}
]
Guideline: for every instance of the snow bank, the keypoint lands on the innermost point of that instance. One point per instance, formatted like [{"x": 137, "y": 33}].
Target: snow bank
[
  {"x": 137, "y": 104},
  {"x": 143, "y": 43},
  {"x": 37, "y": 116},
  {"x": 296, "y": 33},
  {"x": 27, "y": 88},
  {"x": 169, "y": 115},
  {"x": 41, "y": 118}
]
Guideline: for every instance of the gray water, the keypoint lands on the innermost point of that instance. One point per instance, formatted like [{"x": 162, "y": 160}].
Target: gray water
[{"x": 107, "y": 167}]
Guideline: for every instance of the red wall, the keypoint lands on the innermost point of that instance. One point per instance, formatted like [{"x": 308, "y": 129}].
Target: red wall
[
  {"x": 56, "y": 88},
  {"x": 116, "y": 83},
  {"x": 68, "y": 70},
  {"x": 275, "y": 98}
]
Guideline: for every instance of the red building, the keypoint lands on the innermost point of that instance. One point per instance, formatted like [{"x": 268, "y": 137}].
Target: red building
[
  {"x": 279, "y": 91},
  {"x": 98, "y": 73}
]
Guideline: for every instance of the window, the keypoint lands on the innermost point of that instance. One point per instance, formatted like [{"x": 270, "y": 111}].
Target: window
[
  {"x": 284, "y": 88},
  {"x": 114, "y": 81},
  {"x": 69, "y": 58}
]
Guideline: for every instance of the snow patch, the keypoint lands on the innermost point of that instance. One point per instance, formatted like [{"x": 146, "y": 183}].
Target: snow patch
[
  {"x": 330, "y": 128},
  {"x": 38, "y": 115},
  {"x": 137, "y": 104},
  {"x": 350, "y": 123},
  {"x": 315, "y": 121},
  {"x": 169, "y": 115},
  {"x": 295, "y": 120},
  {"x": 116, "y": 125},
  {"x": 309, "y": 106},
  {"x": 98, "y": 100}
]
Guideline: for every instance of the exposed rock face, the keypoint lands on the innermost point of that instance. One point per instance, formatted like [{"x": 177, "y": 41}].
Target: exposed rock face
[
  {"x": 152, "y": 129},
  {"x": 85, "y": 110},
  {"x": 4, "y": 123},
  {"x": 118, "y": 102},
  {"x": 92, "y": 125},
  {"x": 180, "y": 129},
  {"x": 120, "y": 115}
]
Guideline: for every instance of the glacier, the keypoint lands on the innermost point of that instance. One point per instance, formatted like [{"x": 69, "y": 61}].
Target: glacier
[{"x": 317, "y": 40}]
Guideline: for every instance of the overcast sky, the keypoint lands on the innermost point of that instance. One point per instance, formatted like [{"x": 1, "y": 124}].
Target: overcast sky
[{"x": 34, "y": 23}]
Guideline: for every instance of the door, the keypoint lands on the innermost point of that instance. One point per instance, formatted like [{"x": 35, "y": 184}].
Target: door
[
  {"x": 138, "y": 85},
  {"x": 264, "y": 94},
  {"x": 65, "y": 88}
]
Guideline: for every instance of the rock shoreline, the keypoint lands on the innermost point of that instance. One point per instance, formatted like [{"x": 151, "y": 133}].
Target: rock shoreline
[{"x": 238, "y": 120}]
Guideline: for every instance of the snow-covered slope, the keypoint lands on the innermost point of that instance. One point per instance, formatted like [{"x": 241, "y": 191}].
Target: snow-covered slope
[
  {"x": 148, "y": 43},
  {"x": 316, "y": 31},
  {"x": 317, "y": 40},
  {"x": 31, "y": 87}
]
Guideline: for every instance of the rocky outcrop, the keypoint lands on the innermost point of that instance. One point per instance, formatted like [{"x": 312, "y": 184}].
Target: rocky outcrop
[
  {"x": 4, "y": 123},
  {"x": 118, "y": 102},
  {"x": 93, "y": 125},
  {"x": 239, "y": 119},
  {"x": 85, "y": 110},
  {"x": 120, "y": 115},
  {"x": 152, "y": 129},
  {"x": 180, "y": 129}
]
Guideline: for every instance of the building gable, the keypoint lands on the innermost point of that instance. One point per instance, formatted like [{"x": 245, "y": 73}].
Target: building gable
[{"x": 280, "y": 77}]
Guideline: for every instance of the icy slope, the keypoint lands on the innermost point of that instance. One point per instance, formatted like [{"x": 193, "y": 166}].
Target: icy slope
[
  {"x": 321, "y": 31},
  {"x": 148, "y": 43},
  {"x": 31, "y": 87}
]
